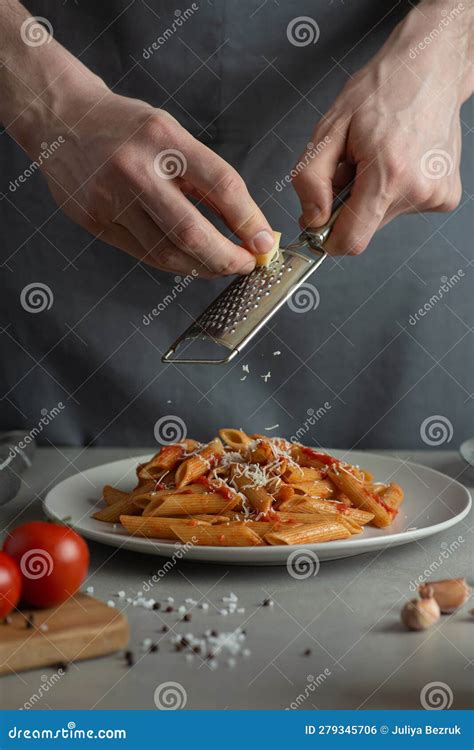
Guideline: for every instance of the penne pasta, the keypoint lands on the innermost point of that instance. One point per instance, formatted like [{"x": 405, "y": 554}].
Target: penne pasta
[
  {"x": 150, "y": 500},
  {"x": 311, "y": 505},
  {"x": 323, "y": 531},
  {"x": 111, "y": 495},
  {"x": 235, "y": 439},
  {"x": 316, "y": 488},
  {"x": 112, "y": 513},
  {"x": 190, "y": 505},
  {"x": 362, "y": 497},
  {"x": 392, "y": 495},
  {"x": 349, "y": 523},
  {"x": 157, "y": 528},
  {"x": 249, "y": 490},
  {"x": 220, "y": 535},
  {"x": 194, "y": 467},
  {"x": 260, "y": 500}
]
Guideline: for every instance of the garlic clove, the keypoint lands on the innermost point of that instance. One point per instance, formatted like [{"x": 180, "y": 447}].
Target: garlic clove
[
  {"x": 450, "y": 593},
  {"x": 420, "y": 614}
]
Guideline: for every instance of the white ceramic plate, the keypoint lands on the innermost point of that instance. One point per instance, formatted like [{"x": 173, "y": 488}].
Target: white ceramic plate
[{"x": 433, "y": 503}]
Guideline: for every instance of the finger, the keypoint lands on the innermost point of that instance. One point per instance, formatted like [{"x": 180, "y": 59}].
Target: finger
[
  {"x": 120, "y": 237},
  {"x": 361, "y": 214},
  {"x": 191, "y": 232},
  {"x": 344, "y": 174},
  {"x": 223, "y": 187},
  {"x": 315, "y": 171},
  {"x": 192, "y": 192},
  {"x": 158, "y": 251},
  {"x": 397, "y": 209}
]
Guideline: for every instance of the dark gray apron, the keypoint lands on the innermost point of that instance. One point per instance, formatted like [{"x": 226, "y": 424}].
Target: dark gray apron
[{"x": 354, "y": 371}]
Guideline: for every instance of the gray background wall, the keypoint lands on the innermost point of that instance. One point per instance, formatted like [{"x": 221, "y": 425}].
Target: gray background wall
[{"x": 255, "y": 101}]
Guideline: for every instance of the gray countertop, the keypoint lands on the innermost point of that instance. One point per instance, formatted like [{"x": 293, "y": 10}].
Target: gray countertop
[{"x": 348, "y": 616}]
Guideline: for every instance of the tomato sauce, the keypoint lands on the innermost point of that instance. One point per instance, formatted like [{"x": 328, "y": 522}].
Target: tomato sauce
[{"x": 220, "y": 489}]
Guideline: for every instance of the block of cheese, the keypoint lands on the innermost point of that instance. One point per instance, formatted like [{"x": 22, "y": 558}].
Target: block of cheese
[{"x": 266, "y": 258}]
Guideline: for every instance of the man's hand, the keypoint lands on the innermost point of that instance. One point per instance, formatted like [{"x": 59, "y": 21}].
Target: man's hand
[
  {"x": 394, "y": 130},
  {"x": 124, "y": 170}
]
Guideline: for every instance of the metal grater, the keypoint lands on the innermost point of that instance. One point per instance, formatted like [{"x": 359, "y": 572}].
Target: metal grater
[{"x": 243, "y": 308}]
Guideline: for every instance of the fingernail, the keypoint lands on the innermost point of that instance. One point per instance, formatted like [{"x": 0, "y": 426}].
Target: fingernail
[{"x": 262, "y": 242}]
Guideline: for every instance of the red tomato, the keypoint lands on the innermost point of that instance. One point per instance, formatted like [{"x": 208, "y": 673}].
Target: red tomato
[
  {"x": 10, "y": 584},
  {"x": 53, "y": 561}
]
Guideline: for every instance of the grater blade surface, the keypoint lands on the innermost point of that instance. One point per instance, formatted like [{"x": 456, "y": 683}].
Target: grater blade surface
[
  {"x": 242, "y": 308},
  {"x": 240, "y": 311}
]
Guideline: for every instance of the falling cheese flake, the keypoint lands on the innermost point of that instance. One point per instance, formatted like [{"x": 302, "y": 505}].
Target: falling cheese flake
[
  {"x": 244, "y": 378},
  {"x": 267, "y": 376},
  {"x": 277, "y": 353},
  {"x": 273, "y": 427},
  {"x": 245, "y": 368}
]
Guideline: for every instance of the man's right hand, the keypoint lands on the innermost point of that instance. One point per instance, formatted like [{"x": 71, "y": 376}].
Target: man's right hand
[{"x": 124, "y": 170}]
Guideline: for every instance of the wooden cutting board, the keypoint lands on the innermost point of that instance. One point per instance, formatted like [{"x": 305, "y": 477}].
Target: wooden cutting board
[{"x": 81, "y": 628}]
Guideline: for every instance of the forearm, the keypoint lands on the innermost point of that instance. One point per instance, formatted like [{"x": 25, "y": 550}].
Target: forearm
[
  {"x": 433, "y": 28},
  {"x": 37, "y": 76}
]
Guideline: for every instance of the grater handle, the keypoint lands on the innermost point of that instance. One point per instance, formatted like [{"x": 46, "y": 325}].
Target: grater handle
[{"x": 168, "y": 357}]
